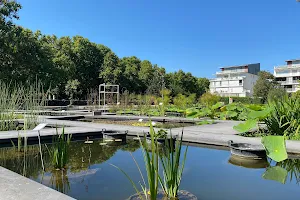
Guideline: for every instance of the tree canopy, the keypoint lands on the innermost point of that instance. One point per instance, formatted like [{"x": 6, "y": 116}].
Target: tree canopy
[
  {"x": 263, "y": 85},
  {"x": 67, "y": 64}
]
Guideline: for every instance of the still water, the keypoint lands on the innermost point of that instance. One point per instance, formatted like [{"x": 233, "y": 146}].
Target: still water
[{"x": 208, "y": 174}]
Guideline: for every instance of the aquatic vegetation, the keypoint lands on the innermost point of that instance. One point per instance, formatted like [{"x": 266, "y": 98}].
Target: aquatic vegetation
[
  {"x": 281, "y": 117},
  {"x": 208, "y": 111},
  {"x": 60, "y": 149},
  {"x": 172, "y": 169},
  {"x": 18, "y": 97},
  {"x": 151, "y": 161},
  {"x": 169, "y": 155},
  {"x": 275, "y": 147},
  {"x": 284, "y": 118}
]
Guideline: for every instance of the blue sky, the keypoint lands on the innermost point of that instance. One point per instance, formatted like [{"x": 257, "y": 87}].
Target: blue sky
[{"x": 198, "y": 36}]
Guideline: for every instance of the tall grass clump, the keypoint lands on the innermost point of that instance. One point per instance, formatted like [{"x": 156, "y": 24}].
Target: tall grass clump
[
  {"x": 284, "y": 118},
  {"x": 34, "y": 99},
  {"x": 60, "y": 149},
  {"x": 151, "y": 161},
  {"x": 16, "y": 99},
  {"x": 172, "y": 169},
  {"x": 170, "y": 160}
]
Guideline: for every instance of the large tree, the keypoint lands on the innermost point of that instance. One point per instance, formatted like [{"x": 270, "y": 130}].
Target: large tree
[
  {"x": 263, "y": 85},
  {"x": 130, "y": 80},
  {"x": 110, "y": 71},
  {"x": 145, "y": 74}
]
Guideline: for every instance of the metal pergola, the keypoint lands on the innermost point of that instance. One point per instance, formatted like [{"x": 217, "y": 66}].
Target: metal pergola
[{"x": 105, "y": 89}]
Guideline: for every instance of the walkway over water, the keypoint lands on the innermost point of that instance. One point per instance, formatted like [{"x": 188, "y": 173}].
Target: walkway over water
[{"x": 214, "y": 134}]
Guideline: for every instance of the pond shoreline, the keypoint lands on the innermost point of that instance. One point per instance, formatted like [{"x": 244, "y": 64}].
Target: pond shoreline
[{"x": 212, "y": 135}]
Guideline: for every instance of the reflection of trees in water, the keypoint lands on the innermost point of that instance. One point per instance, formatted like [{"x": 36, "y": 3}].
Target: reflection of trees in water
[
  {"x": 80, "y": 158},
  {"x": 83, "y": 155},
  {"x": 292, "y": 166},
  {"x": 27, "y": 165},
  {"x": 131, "y": 146},
  {"x": 59, "y": 181}
]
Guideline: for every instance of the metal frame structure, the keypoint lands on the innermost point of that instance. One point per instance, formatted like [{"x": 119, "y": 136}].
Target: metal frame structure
[{"x": 113, "y": 89}]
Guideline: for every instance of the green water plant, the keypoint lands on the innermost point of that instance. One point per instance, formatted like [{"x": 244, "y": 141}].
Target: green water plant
[
  {"x": 151, "y": 161},
  {"x": 280, "y": 117},
  {"x": 275, "y": 147},
  {"x": 208, "y": 111},
  {"x": 172, "y": 166},
  {"x": 60, "y": 149}
]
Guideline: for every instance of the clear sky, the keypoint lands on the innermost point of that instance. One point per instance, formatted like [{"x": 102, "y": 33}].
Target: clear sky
[{"x": 198, "y": 36}]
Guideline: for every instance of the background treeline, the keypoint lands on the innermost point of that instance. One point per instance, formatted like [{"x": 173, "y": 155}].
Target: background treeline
[{"x": 72, "y": 66}]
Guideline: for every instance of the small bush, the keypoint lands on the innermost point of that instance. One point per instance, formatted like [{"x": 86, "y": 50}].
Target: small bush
[{"x": 209, "y": 99}]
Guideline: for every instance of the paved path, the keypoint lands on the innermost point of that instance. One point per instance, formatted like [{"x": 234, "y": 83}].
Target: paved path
[{"x": 14, "y": 186}]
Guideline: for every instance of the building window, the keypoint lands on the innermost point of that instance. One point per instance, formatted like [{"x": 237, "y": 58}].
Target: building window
[
  {"x": 240, "y": 82},
  {"x": 220, "y": 83}
]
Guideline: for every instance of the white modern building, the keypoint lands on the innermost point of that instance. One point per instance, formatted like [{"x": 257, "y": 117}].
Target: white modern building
[
  {"x": 235, "y": 80},
  {"x": 288, "y": 75}
]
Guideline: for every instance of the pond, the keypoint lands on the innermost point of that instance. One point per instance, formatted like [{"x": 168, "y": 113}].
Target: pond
[{"x": 210, "y": 174}]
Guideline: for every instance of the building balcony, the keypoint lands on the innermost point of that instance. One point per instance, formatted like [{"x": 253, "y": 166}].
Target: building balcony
[
  {"x": 237, "y": 71},
  {"x": 226, "y": 86},
  {"x": 293, "y": 82},
  {"x": 285, "y": 67},
  {"x": 234, "y": 78},
  {"x": 290, "y": 89}
]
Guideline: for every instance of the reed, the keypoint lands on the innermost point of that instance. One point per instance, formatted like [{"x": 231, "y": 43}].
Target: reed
[
  {"x": 15, "y": 98},
  {"x": 172, "y": 169},
  {"x": 151, "y": 161},
  {"x": 60, "y": 149}
]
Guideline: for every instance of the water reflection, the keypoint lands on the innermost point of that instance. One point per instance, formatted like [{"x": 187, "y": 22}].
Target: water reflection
[
  {"x": 60, "y": 181},
  {"x": 281, "y": 172},
  {"x": 89, "y": 175},
  {"x": 292, "y": 166},
  {"x": 248, "y": 163},
  {"x": 82, "y": 156}
]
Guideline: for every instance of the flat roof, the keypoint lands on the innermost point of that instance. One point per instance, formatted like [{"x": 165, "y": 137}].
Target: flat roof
[
  {"x": 235, "y": 66},
  {"x": 293, "y": 60}
]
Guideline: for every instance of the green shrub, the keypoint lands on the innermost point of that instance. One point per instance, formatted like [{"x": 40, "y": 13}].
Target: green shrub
[
  {"x": 296, "y": 94},
  {"x": 276, "y": 94},
  {"x": 209, "y": 99},
  {"x": 180, "y": 101},
  {"x": 284, "y": 118}
]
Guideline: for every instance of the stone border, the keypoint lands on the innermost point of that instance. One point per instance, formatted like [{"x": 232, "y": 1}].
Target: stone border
[{"x": 14, "y": 186}]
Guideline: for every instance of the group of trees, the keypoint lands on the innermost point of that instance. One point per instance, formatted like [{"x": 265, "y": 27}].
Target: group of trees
[{"x": 71, "y": 66}]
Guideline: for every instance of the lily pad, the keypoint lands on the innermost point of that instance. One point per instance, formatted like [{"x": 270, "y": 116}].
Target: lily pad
[
  {"x": 246, "y": 126},
  {"x": 276, "y": 173},
  {"x": 275, "y": 147}
]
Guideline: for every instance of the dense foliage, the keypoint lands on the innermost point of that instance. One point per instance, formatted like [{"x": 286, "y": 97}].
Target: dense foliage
[
  {"x": 281, "y": 117},
  {"x": 71, "y": 66},
  {"x": 265, "y": 83}
]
